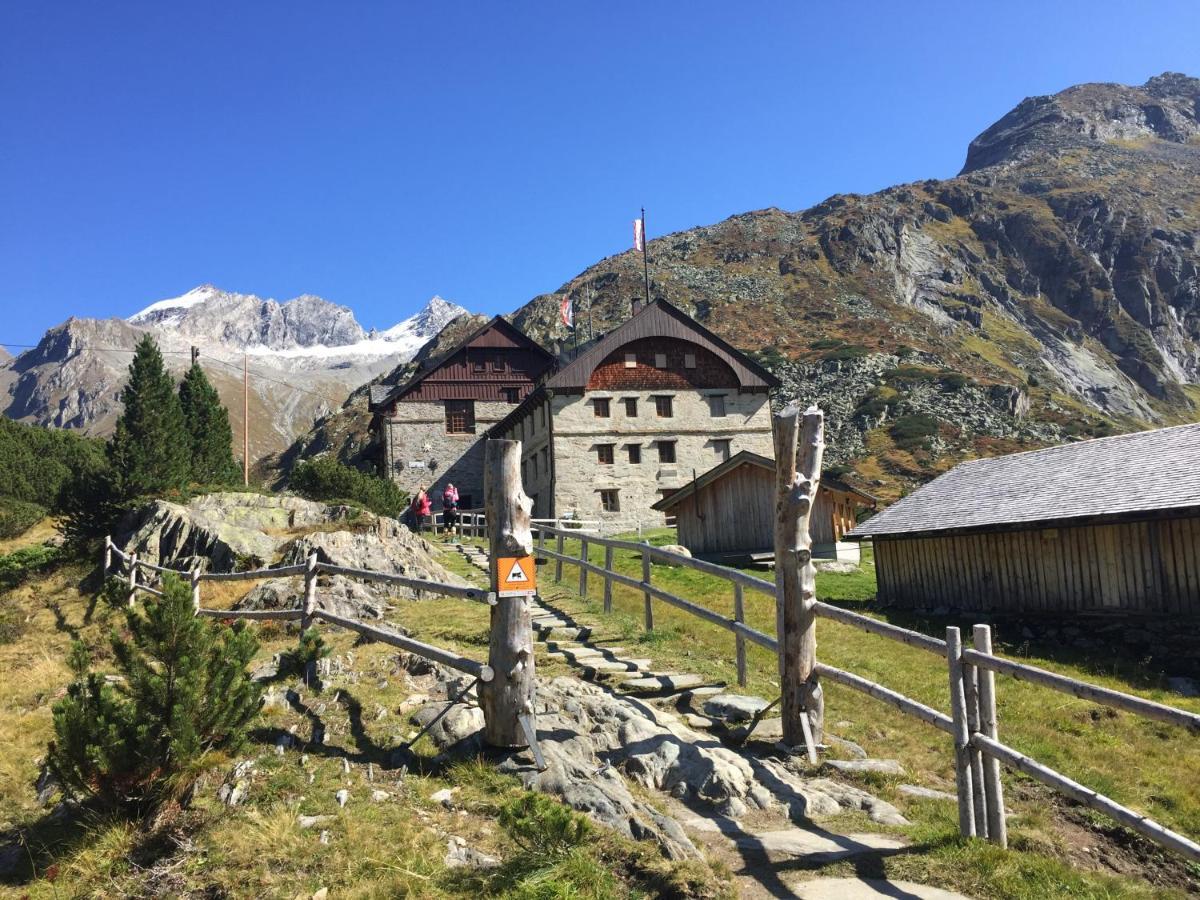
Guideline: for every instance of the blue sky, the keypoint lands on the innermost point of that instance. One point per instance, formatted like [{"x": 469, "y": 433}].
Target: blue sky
[{"x": 378, "y": 153}]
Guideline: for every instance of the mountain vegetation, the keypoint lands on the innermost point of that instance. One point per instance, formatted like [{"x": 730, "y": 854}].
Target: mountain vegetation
[
  {"x": 210, "y": 436},
  {"x": 324, "y": 478}
]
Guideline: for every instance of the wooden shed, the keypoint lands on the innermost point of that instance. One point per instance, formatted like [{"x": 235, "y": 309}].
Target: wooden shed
[
  {"x": 729, "y": 512},
  {"x": 1106, "y": 525}
]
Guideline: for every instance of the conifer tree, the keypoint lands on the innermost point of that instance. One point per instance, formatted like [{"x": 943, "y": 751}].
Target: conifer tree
[
  {"x": 185, "y": 692},
  {"x": 210, "y": 435},
  {"x": 149, "y": 450}
]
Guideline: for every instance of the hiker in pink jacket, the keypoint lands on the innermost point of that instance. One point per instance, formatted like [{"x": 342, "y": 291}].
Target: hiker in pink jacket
[
  {"x": 449, "y": 507},
  {"x": 421, "y": 507}
]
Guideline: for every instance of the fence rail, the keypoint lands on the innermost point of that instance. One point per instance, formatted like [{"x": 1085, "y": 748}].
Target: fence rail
[{"x": 972, "y": 722}]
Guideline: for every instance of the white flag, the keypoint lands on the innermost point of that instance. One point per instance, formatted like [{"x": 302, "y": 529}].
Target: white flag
[{"x": 639, "y": 235}]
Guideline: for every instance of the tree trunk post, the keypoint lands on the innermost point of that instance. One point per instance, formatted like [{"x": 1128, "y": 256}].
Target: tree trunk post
[
  {"x": 646, "y": 598},
  {"x": 133, "y": 578},
  {"x": 108, "y": 554},
  {"x": 797, "y": 481},
  {"x": 583, "y": 572},
  {"x": 608, "y": 567},
  {"x": 978, "y": 803},
  {"x": 195, "y": 579},
  {"x": 739, "y": 615},
  {"x": 510, "y": 693},
  {"x": 962, "y": 736},
  {"x": 997, "y": 827}
]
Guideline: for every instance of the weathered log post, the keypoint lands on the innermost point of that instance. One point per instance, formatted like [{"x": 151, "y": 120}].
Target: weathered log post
[
  {"x": 309, "y": 612},
  {"x": 510, "y": 693},
  {"x": 608, "y": 567},
  {"x": 962, "y": 734},
  {"x": 647, "y": 599},
  {"x": 993, "y": 789},
  {"x": 978, "y": 801},
  {"x": 797, "y": 481},
  {"x": 559, "y": 544},
  {"x": 108, "y": 554},
  {"x": 194, "y": 577},
  {"x": 133, "y": 578},
  {"x": 583, "y": 560},
  {"x": 739, "y": 639}
]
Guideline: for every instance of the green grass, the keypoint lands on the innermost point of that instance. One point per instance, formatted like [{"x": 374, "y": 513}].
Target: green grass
[{"x": 1151, "y": 767}]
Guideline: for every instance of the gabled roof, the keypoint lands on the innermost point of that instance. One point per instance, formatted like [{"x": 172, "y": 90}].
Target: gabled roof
[
  {"x": 392, "y": 393},
  {"x": 659, "y": 319},
  {"x": 746, "y": 458},
  {"x": 1130, "y": 475}
]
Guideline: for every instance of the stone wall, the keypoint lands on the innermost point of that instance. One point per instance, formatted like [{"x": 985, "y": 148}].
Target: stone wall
[
  {"x": 419, "y": 452},
  {"x": 696, "y": 432}
]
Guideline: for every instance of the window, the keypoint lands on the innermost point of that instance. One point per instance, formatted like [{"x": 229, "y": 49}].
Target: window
[
  {"x": 510, "y": 395},
  {"x": 602, "y": 407},
  {"x": 604, "y": 453},
  {"x": 635, "y": 454},
  {"x": 498, "y": 364},
  {"x": 689, "y": 360},
  {"x": 721, "y": 448},
  {"x": 480, "y": 365},
  {"x": 716, "y": 405},
  {"x": 631, "y": 360},
  {"x": 631, "y": 407},
  {"x": 662, "y": 406},
  {"x": 666, "y": 451},
  {"x": 660, "y": 360},
  {"x": 610, "y": 501},
  {"x": 460, "y": 416}
]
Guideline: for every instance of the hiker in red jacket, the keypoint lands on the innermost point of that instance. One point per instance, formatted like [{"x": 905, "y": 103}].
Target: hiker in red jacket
[{"x": 421, "y": 507}]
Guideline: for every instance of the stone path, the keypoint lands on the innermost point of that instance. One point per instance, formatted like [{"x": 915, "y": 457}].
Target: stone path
[{"x": 761, "y": 854}]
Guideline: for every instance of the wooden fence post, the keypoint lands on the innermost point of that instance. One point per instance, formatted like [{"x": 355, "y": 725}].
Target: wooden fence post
[
  {"x": 583, "y": 572},
  {"x": 608, "y": 567},
  {"x": 310, "y": 592},
  {"x": 195, "y": 579},
  {"x": 509, "y": 695},
  {"x": 997, "y": 827},
  {"x": 739, "y": 615},
  {"x": 558, "y": 563},
  {"x": 133, "y": 578},
  {"x": 797, "y": 482},
  {"x": 958, "y": 713},
  {"x": 978, "y": 803},
  {"x": 647, "y": 599},
  {"x": 108, "y": 554}
]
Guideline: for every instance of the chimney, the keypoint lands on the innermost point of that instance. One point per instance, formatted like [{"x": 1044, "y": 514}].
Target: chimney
[{"x": 636, "y": 305}]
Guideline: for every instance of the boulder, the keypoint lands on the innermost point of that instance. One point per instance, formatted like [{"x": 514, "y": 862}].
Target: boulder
[
  {"x": 336, "y": 594},
  {"x": 677, "y": 549}
]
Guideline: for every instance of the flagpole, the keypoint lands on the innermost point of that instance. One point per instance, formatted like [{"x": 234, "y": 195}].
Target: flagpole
[
  {"x": 575, "y": 328},
  {"x": 645, "y": 258}
]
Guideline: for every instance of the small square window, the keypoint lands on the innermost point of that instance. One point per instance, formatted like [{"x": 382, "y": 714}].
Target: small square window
[
  {"x": 660, "y": 360},
  {"x": 602, "y": 407},
  {"x": 689, "y": 360},
  {"x": 662, "y": 406},
  {"x": 635, "y": 454},
  {"x": 498, "y": 364},
  {"x": 716, "y": 405},
  {"x": 610, "y": 501},
  {"x": 631, "y": 360},
  {"x": 721, "y": 448},
  {"x": 604, "y": 454},
  {"x": 631, "y": 407},
  {"x": 666, "y": 451},
  {"x": 479, "y": 365}
]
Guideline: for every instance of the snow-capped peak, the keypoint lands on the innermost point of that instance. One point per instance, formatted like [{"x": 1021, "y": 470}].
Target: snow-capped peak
[
  {"x": 158, "y": 311},
  {"x": 433, "y": 317}
]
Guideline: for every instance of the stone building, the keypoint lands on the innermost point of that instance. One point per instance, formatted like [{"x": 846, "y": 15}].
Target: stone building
[
  {"x": 635, "y": 416},
  {"x": 432, "y": 427}
]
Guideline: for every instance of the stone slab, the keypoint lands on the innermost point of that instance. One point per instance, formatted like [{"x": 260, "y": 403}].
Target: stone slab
[
  {"x": 817, "y": 845},
  {"x": 733, "y": 707},
  {"x": 869, "y": 889},
  {"x": 882, "y": 766},
  {"x": 665, "y": 683}
]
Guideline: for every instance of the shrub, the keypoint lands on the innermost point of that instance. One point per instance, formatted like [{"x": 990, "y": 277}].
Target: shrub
[
  {"x": 18, "y": 566},
  {"x": 184, "y": 692},
  {"x": 542, "y": 827},
  {"x": 846, "y": 352},
  {"x": 36, "y": 463},
  {"x": 914, "y": 430},
  {"x": 954, "y": 381},
  {"x": 324, "y": 478},
  {"x": 879, "y": 400},
  {"x": 303, "y": 660},
  {"x": 18, "y": 516}
]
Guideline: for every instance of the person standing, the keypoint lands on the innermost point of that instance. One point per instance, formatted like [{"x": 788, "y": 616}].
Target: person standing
[
  {"x": 421, "y": 507},
  {"x": 449, "y": 506}
]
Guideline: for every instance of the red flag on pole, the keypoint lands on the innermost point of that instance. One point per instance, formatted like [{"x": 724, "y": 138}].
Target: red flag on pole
[
  {"x": 567, "y": 311},
  {"x": 639, "y": 235}
]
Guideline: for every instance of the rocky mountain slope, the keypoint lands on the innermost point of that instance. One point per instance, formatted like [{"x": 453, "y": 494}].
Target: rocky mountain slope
[
  {"x": 305, "y": 356},
  {"x": 1049, "y": 290}
]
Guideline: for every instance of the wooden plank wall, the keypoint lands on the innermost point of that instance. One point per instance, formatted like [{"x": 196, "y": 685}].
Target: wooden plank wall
[
  {"x": 1134, "y": 566},
  {"x": 738, "y": 514}
]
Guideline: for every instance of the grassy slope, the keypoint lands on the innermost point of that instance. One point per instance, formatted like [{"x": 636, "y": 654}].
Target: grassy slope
[
  {"x": 1151, "y": 767},
  {"x": 388, "y": 849}
]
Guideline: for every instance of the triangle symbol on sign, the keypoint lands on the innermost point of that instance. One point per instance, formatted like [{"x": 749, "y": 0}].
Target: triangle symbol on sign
[{"x": 516, "y": 573}]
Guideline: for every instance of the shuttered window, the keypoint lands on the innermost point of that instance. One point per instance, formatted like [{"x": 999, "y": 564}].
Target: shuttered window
[
  {"x": 716, "y": 405},
  {"x": 460, "y": 416}
]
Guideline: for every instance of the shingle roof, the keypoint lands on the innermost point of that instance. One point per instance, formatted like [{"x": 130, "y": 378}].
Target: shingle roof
[
  {"x": 1144, "y": 472},
  {"x": 379, "y": 393}
]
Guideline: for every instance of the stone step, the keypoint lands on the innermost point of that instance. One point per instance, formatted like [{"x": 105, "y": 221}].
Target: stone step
[
  {"x": 563, "y": 633},
  {"x": 733, "y": 707},
  {"x": 868, "y": 889},
  {"x": 586, "y": 654},
  {"x": 615, "y": 666},
  {"x": 668, "y": 683}
]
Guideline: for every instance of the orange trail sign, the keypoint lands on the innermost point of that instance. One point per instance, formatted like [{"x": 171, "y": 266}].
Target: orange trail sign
[{"x": 517, "y": 576}]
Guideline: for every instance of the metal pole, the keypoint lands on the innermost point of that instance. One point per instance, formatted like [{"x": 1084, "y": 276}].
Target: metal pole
[{"x": 245, "y": 420}]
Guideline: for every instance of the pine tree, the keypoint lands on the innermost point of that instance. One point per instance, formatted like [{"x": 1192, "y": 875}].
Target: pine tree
[
  {"x": 149, "y": 450},
  {"x": 207, "y": 421},
  {"x": 185, "y": 692}
]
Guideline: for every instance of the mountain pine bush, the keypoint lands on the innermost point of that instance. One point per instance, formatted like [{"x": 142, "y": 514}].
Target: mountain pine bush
[
  {"x": 131, "y": 744},
  {"x": 210, "y": 437},
  {"x": 324, "y": 478}
]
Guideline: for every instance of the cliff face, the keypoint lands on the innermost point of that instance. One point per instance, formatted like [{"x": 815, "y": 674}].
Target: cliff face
[{"x": 1050, "y": 290}]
